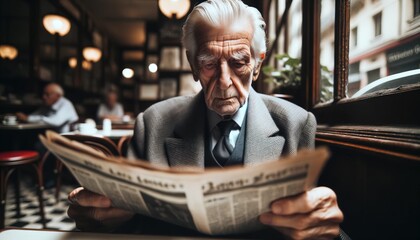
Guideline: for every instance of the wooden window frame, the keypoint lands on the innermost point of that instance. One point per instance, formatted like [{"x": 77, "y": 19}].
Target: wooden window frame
[{"x": 383, "y": 122}]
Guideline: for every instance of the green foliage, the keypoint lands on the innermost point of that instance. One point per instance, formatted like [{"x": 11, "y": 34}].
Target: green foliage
[{"x": 289, "y": 76}]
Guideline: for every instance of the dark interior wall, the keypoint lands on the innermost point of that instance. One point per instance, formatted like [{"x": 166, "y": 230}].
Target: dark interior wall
[{"x": 379, "y": 195}]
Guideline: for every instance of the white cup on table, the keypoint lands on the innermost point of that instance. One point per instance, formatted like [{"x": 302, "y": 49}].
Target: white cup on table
[
  {"x": 106, "y": 126},
  {"x": 87, "y": 128},
  {"x": 10, "y": 120}
]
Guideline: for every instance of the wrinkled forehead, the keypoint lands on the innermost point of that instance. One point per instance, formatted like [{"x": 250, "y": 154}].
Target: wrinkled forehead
[
  {"x": 225, "y": 44},
  {"x": 237, "y": 35}
]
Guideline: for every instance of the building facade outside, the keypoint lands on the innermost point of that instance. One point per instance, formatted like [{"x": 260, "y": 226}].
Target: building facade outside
[{"x": 384, "y": 38}]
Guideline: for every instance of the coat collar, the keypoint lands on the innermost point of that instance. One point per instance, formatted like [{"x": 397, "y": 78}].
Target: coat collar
[
  {"x": 186, "y": 148},
  {"x": 262, "y": 139}
]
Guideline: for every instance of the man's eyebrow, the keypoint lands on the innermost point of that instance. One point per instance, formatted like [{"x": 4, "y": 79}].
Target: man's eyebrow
[
  {"x": 205, "y": 57},
  {"x": 240, "y": 55}
]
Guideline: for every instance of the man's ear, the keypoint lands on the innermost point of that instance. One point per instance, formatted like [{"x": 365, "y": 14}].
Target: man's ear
[
  {"x": 257, "y": 69},
  {"x": 191, "y": 62}
]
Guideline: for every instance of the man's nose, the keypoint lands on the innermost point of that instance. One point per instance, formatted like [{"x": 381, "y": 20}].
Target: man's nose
[{"x": 224, "y": 79}]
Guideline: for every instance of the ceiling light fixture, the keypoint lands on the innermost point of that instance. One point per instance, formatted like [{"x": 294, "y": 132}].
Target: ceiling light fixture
[
  {"x": 174, "y": 8},
  {"x": 153, "y": 67},
  {"x": 128, "y": 72},
  {"x": 92, "y": 54},
  {"x": 8, "y": 52},
  {"x": 72, "y": 62},
  {"x": 86, "y": 65},
  {"x": 56, "y": 24}
]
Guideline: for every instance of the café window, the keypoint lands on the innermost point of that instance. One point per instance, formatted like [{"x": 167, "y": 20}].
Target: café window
[
  {"x": 373, "y": 65},
  {"x": 359, "y": 67}
]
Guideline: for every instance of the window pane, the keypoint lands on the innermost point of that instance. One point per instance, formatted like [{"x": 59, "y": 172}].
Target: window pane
[
  {"x": 377, "y": 19},
  {"x": 416, "y": 8},
  {"x": 282, "y": 73},
  {"x": 294, "y": 23},
  {"x": 327, "y": 50},
  {"x": 383, "y": 42}
]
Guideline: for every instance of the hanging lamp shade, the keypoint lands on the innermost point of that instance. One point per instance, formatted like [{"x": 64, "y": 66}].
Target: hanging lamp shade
[
  {"x": 92, "y": 54},
  {"x": 8, "y": 52},
  {"x": 177, "y": 8},
  {"x": 56, "y": 24}
]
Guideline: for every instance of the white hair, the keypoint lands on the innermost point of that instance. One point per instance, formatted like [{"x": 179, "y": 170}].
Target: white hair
[
  {"x": 56, "y": 88},
  {"x": 218, "y": 13}
]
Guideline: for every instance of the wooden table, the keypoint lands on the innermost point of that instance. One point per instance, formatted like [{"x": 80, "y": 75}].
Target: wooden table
[
  {"x": 119, "y": 125},
  {"x": 25, "y": 126},
  {"x": 20, "y": 136},
  {"x": 9, "y": 234}
]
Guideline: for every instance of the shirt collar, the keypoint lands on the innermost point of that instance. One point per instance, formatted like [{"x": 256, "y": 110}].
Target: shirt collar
[{"x": 238, "y": 117}]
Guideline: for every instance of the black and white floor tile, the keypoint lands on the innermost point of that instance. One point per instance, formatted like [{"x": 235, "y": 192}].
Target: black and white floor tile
[{"x": 55, "y": 213}]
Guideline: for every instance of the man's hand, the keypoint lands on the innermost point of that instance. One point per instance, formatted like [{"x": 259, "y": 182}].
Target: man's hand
[
  {"x": 22, "y": 117},
  {"x": 310, "y": 215},
  {"x": 93, "y": 212}
]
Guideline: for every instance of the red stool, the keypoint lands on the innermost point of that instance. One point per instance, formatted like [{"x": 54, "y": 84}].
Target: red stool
[{"x": 9, "y": 162}]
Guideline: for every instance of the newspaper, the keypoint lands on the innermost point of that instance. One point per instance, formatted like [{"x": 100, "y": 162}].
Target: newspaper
[{"x": 211, "y": 201}]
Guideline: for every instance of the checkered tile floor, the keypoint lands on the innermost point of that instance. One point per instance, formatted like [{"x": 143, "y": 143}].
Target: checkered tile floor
[{"x": 55, "y": 213}]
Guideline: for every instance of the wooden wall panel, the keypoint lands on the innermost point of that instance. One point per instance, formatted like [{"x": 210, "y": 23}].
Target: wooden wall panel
[{"x": 379, "y": 194}]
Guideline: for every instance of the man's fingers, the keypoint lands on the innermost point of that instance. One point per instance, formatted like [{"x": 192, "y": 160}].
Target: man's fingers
[
  {"x": 97, "y": 214},
  {"x": 320, "y": 197},
  {"x": 86, "y": 198},
  {"x": 96, "y": 218},
  {"x": 304, "y": 221}
]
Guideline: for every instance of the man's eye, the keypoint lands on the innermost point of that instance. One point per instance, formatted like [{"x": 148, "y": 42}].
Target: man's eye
[
  {"x": 209, "y": 66},
  {"x": 238, "y": 64}
]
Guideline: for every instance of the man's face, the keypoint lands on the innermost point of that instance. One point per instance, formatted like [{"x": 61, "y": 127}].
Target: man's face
[
  {"x": 225, "y": 66},
  {"x": 50, "y": 96},
  {"x": 111, "y": 99}
]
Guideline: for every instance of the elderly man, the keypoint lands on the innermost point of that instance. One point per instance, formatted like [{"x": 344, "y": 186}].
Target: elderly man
[
  {"x": 58, "y": 110},
  {"x": 227, "y": 123},
  {"x": 111, "y": 109}
]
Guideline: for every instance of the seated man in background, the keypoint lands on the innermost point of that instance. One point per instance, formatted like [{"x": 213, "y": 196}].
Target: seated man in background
[
  {"x": 111, "y": 109},
  {"x": 57, "y": 111},
  {"x": 228, "y": 123}
]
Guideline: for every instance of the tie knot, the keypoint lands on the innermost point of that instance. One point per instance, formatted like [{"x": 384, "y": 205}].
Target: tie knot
[{"x": 226, "y": 126}]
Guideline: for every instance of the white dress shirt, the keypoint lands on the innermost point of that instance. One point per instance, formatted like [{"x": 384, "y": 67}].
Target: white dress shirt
[
  {"x": 117, "y": 110},
  {"x": 61, "y": 114}
]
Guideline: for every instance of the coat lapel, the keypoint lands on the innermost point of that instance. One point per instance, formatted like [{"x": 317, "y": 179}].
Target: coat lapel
[
  {"x": 263, "y": 141},
  {"x": 186, "y": 148}
]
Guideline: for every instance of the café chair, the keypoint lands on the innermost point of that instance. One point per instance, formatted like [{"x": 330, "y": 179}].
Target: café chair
[
  {"x": 123, "y": 145},
  {"x": 10, "y": 162},
  {"x": 102, "y": 144}
]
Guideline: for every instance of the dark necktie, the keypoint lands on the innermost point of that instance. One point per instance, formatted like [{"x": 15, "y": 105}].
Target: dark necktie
[{"x": 223, "y": 148}]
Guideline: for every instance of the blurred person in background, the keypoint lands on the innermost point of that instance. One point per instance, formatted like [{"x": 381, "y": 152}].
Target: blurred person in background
[
  {"x": 111, "y": 109},
  {"x": 57, "y": 110}
]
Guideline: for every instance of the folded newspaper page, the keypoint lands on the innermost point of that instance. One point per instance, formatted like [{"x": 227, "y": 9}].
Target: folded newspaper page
[{"x": 211, "y": 201}]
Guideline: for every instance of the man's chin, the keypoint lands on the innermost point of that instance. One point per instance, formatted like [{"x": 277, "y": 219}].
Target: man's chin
[{"x": 226, "y": 110}]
